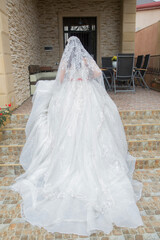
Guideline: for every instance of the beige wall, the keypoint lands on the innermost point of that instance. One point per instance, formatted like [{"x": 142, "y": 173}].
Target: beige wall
[
  {"x": 128, "y": 26},
  {"x": 147, "y": 18},
  {"x": 6, "y": 78},
  {"x": 148, "y": 40},
  {"x": 24, "y": 43},
  {"x": 109, "y": 24}
]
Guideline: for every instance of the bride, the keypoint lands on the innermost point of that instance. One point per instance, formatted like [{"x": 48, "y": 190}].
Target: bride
[{"x": 78, "y": 172}]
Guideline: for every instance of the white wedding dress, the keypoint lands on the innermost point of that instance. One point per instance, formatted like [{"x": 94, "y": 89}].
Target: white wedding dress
[{"x": 78, "y": 171}]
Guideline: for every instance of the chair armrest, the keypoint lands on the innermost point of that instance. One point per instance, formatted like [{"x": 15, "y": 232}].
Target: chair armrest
[
  {"x": 139, "y": 69},
  {"x": 103, "y": 69}
]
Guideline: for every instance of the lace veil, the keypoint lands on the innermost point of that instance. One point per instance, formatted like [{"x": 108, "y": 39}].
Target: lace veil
[{"x": 77, "y": 64}]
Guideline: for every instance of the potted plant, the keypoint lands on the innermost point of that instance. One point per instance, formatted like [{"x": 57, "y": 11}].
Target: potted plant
[
  {"x": 4, "y": 112},
  {"x": 114, "y": 61}
]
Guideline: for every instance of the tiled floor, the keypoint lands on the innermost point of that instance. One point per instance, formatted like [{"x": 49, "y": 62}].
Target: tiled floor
[
  {"x": 142, "y": 99},
  {"x": 14, "y": 227}
]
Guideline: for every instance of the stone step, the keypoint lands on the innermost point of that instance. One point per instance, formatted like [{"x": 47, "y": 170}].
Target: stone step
[
  {"x": 141, "y": 131},
  {"x": 143, "y": 137},
  {"x": 140, "y": 114},
  {"x": 11, "y": 170},
  {"x": 146, "y": 159},
  {"x": 149, "y": 178},
  {"x": 125, "y": 115},
  {"x": 19, "y": 119},
  {"x": 14, "y": 140},
  {"x": 135, "y": 143},
  {"x": 15, "y": 125},
  {"x": 134, "y": 121},
  {"x": 143, "y": 144},
  {"x": 142, "y": 128},
  {"x": 9, "y": 155},
  {"x": 13, "y": 134}
]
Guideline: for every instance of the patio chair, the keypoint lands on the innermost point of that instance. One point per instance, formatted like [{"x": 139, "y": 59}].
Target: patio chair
[
  {"x": 141, "y": 72},
  {"x": 107, "y": 62},
  {"x": 108, "y": 72},
  {"x": 123, "y": 77},
  {"x": 139, "y": 61}
]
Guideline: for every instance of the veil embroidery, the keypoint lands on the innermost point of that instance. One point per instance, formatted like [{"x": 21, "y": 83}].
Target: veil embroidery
[{"x": 77, "y": 64}]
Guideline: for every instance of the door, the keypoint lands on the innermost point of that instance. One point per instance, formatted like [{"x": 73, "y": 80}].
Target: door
[{"x": 85, "y": 28}]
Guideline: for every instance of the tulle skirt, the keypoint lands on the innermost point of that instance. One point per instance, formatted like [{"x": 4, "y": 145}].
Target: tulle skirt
[{"x": 78, "y": 172}]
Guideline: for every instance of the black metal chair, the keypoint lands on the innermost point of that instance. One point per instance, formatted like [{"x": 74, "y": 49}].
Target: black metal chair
[
  {"x": 139, "y": 61},
  {"x": 123, "y": 77},
  {"x": 108, "y": 72},
  {"x": 141, "y": 72},
  {"x": 107, "y": 62}
]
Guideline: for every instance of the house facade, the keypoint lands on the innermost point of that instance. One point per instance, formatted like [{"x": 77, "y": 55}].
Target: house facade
[{"x": 34, "y": 33}]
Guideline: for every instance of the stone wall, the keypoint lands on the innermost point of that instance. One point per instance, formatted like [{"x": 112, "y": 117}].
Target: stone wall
[
  {"x": 6, "y": 78},
  {"x": 24, "y": 43},
  {"x": 109, "y": 24}
]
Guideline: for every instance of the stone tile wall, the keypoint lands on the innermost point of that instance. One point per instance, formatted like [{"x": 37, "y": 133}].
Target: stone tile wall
[
  {"x": 24, "y": 43},
  {"x": 109, "y": 23}
]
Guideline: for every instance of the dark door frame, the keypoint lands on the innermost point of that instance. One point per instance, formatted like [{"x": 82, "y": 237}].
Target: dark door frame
[
  {"x": 82, "y": 28},
  {"x": 78, "y": 14}
]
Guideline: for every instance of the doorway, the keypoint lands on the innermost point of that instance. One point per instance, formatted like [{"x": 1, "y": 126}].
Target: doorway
[{"x": 85, "y": 28}]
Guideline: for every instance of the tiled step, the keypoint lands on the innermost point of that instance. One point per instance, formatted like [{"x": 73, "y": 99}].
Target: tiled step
[
  {"x": 13, "y": 125},
  {"x": 141, "y": 128},
  {"x": 16, "y": 135},
  {"x": 142, "y": 161},
  {"x": 144, "y": 137},
  {"x": 135, "y": 143},
  {"x": 146, "y": 154},
  {"x": 18, "y": 120},
  {"x": 11, "y": 170},
  {"x": 143, "y": 145},
  {"x": 9, "y": 155},
  {"x": 135, "y": 121},
  {"x": 140, "y": 114},
  {"x": 141, "y": 131},
  {"x": 125, "y": 115},
  {"x": 14, "y": 153},
  {"x": 13, "y": 141},
  {"x": 146, "y": 159},
  {"x": 149, "y": 178}
]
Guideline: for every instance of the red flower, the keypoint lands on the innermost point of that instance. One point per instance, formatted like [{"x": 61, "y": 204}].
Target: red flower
[
  {"x": 0, "y": 113},
  {"x": 0, "y": 108},
  {"x": 6, "y": 105},
  {"x": 9, "y": 105}
]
